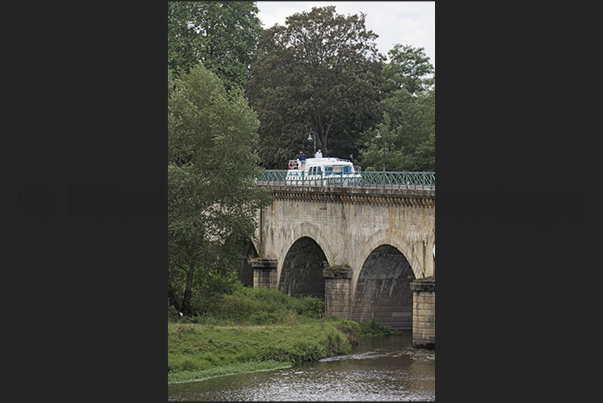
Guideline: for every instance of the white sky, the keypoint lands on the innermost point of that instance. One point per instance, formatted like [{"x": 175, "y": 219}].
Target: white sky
[{"x": 405, "y": 22}]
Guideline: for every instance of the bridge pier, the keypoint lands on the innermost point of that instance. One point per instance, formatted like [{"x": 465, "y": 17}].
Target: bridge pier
[
  {"x": 423, "y": 325},
  {"x": 338, "y": 291},
  {"x": 264, "y": 272}
]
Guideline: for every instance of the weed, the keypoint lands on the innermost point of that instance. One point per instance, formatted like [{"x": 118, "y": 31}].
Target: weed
[
  {"x": 292, "y": 318},
  {"x": 374, "y": 328}
]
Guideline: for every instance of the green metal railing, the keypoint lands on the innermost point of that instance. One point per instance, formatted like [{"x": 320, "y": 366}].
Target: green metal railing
[
  {"x": 398, "y": 180},
  {"x": 273, "y": 177}
]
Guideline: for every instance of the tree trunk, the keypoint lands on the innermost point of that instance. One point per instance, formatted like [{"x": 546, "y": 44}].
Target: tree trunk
[
  {"x": 185, "y": 308},
  {"x": 172, "y": 297}
]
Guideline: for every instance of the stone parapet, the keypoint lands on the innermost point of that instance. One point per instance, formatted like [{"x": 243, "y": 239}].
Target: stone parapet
[{"x": 355, "y": 195}]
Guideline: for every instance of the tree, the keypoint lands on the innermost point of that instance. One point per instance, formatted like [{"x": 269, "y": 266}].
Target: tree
[
  {"x": 320, "y": 72},
  {"x": 408, "y": 68},
  {"x": 211, "y": 169},
  {"x": 184, "y": 43},
  {"x": 409, "y": 115},
  {"x": 221, "y": 34}
]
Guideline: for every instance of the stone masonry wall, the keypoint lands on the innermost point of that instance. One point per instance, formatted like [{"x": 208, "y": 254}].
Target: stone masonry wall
[
  {"x": 264, "y": 273},
  {"x": 338, "y": 289},
  {"x": 423, "y": 328}
]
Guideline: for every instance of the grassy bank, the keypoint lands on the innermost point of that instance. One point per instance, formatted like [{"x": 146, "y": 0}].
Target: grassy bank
[
  {"x": 256, "y": 329},
  {"x": 200, "y": 351}
]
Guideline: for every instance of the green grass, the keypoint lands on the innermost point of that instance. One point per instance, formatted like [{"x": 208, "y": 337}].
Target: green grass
[
  {"x": 230, "y": 369},
  {"x": 256, "y": 329},
  {"x": 258, "y": 306},
  {"x": 198, "y": 351}
]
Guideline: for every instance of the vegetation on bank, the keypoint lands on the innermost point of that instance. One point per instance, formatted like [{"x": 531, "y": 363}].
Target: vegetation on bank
[
  {"x": 198, "y": 351},
  {"x": 255, "y": 329}
]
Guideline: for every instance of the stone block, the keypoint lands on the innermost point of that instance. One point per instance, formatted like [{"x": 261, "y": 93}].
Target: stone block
[{"x": 420, "y": 326}]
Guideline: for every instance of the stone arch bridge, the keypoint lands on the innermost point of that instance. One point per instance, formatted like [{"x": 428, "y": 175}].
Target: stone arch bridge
[{"x": 363, "y": 250}]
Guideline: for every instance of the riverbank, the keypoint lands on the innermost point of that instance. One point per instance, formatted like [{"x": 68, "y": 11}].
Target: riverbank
[
  {"x": 197, "y": 352},
  {"x": 256, "y": 329}
]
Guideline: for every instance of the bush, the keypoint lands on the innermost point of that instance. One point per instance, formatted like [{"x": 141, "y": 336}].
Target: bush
[
  {"x": 264, "y": 318},
  {"x": 350, "y": 329},
  {"x": 207, "y": 295},
  {"x": 336, "y": 342},
  {"x": 173, "y": 314},
  {"x": 311, "y": 307},
  {"x": 261, "y": 306},
  {"x": 374, "y": 328}
]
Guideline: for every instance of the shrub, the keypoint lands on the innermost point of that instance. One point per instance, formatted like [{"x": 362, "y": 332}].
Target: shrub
[
  {"x": 261, "y": 306},
  {"x": 173, "y": 315},
  {"x": 207, "y": 294},
  {"x": 350, "y": 329},
  {"x": 374, "y": 328},
  {"x": 336, "y": 342},
  {"x": 264, "y": 318},
  {"x": 311, "y": 307}
]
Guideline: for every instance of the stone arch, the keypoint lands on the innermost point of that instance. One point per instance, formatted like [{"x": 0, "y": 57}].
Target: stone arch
[
  {"x": 398, "y": 240},
  {"x": 301, "y": 269},
  {"x": 382, "y": 289},
  {"x": 309, "y": 230}
]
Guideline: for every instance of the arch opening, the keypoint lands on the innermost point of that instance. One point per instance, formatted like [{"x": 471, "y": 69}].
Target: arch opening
[
  {"x": 383, "y": 289},
  {"x": 301, "y": 274}
]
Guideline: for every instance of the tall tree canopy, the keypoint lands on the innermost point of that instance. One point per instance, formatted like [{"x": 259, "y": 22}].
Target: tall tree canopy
[
  {"x": 220, "y": 34},
  {"x": 408, "y": 68},
  {"x": 408, "y": 127},
  {"x": 211, "y": 165},
  {"x": 319, "y": 72}
]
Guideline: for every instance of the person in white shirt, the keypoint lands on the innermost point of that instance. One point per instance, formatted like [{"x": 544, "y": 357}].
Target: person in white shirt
[{"x": 318, "y": 154}]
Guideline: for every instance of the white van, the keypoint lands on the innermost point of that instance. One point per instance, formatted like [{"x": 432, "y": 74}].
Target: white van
[{"x": 323, "y": 172}]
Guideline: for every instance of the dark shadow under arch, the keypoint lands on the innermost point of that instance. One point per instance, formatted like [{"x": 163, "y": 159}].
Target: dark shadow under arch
[
  {"x": 383, "y": 289},
  {"x": 301, "y": 274}
]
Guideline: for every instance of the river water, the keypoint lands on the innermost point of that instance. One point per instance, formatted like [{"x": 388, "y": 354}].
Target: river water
[{"x": 380, "y": 368}]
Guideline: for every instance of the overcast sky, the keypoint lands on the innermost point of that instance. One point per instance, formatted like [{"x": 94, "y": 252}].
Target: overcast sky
[{"x": 405, "y": 22}]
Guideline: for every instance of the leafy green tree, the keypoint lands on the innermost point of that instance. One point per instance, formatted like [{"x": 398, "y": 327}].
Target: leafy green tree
[
  {"x": 221, "y": 34},
  {"x": 408, "y": 127},
  {"x": 408, "y": 68},
  {"x": 211, "y": 168},
  {"x": 184, "y": 43},
  {"x": 320, "y": 72}
]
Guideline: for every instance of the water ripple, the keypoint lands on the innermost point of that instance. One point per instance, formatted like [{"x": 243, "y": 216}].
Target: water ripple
[{"x": 380, "y": 370}]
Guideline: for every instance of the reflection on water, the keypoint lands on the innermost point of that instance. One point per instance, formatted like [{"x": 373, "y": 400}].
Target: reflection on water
[{"x": 381, "y": 368}]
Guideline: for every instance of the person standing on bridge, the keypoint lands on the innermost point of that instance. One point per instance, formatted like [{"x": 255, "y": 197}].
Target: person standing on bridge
[
  {"x": 318, "y": 154},
  {"x": 302, "y": 160}
]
